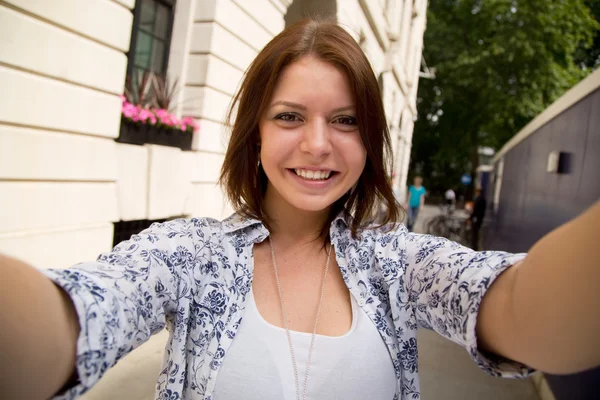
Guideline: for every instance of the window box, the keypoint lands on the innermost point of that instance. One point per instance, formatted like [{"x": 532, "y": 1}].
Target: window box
[
  {"x": 139, "y": 133},
  {"x": 132, "y": 132},
  {"x": 170, "y": 137}
]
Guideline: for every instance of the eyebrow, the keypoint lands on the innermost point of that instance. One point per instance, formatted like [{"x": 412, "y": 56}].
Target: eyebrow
[{"x": 303, "y": 108}]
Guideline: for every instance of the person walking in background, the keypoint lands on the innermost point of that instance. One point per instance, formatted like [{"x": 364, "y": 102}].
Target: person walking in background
[
  {"x": 450, "y": 197},
  {"x": 476, "y": 217},
  {"x": 416, "y": 201}
]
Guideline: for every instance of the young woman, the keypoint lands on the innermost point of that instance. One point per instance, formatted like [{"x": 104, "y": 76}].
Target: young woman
[{"x": 296, "y": 295}]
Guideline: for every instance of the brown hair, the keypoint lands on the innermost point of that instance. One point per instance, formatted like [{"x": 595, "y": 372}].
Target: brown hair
[{"x": 243, "y": 178}]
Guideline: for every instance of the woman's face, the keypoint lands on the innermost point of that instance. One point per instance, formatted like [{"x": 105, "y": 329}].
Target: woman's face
[{"x": 311, "y": 149}]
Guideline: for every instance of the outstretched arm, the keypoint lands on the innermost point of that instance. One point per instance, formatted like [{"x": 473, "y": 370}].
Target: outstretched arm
[
  {"x": 545, "y": 311},
  {"x": 39, "y": 333},
  {"x": 104, "y": 310}
]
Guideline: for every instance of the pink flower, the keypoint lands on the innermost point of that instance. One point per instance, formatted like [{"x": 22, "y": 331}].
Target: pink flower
[
  {"x": 189, "y": 122},
  {"x": 123, "y": 98},
  {"x": 144, "y": 115},
  {"x": 137, "y": 117},
  {"x": 153, "y": 116},
  {"x": 160, "y": 113},
  {"x": 129, "y": 110},
  {"x": 166, "y": 120}
]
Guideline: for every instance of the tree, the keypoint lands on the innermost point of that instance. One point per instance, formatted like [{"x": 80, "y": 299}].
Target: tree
[
  {"x": 590, "y": 57},
  {"x": 499, "y": 63}
]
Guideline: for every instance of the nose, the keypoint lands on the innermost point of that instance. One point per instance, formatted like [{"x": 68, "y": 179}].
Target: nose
[{"x": 316, "y": 140}]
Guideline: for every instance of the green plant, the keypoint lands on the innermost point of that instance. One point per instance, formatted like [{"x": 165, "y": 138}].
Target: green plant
[
  {"x": 138, "y": 88},
  {"x": 164, "y": 91}
]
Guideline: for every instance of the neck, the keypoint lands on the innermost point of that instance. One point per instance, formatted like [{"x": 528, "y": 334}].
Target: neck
[{"x": 289, "y": 225}]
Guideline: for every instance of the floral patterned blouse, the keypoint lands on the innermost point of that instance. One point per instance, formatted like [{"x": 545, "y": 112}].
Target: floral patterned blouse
[{"x": 193, "y": 277}]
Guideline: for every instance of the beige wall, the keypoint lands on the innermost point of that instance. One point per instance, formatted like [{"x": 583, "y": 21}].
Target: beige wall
[
  {"x": 64, "y": 180},
  {"x": 393, "y": 42},
  {"x": 61, "y": 72}
]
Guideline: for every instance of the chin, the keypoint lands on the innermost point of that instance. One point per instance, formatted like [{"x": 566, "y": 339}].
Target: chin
[
  {"x": 311, "y": 204},
  {"x": 312, "y": 207}
]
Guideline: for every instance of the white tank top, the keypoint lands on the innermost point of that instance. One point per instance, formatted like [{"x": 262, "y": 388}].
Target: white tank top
[{"x": 258, "y": 365}]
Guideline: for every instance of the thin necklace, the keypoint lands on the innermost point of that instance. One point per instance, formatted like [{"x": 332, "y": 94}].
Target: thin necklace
[{"x": 287, "y": 327}]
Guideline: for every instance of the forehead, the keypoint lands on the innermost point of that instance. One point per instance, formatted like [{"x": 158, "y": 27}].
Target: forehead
[{"x": 312, "y": 81}]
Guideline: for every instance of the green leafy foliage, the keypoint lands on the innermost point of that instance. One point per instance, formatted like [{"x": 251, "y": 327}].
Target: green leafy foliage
[
  {"x": 165, "y": 91},
  {"x": 499, "y": 63},
  {"x": 590, "y": 57},
  {"x": 138, "y": 88},
  {"x": 149, "y": 89}
]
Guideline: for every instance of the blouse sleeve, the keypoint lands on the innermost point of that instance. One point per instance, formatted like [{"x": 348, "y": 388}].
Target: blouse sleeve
[
  {"x": 446, "y": 283},
  {"x": 125, "y": 296}
]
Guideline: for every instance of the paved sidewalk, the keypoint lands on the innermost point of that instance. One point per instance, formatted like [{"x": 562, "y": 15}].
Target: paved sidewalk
[
  {"x": 447, "y": 371},
  {"x": 428, "y": 213}
]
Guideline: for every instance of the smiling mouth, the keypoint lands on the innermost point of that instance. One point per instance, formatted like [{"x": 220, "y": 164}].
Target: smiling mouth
[{"x": 310, "y": 175}]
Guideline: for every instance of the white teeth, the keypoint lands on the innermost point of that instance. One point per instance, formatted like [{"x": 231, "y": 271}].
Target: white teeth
[{"x": 313, "y": 175}]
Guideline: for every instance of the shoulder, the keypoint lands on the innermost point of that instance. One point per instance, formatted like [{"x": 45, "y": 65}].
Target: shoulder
[
  {"x": 392, "y": 233},
  {"x": 193, "y": 225},
  {"x": 388, "y": 246},
  {"x": 387, "y": 240},
  {"x": 181, "y": 228}
]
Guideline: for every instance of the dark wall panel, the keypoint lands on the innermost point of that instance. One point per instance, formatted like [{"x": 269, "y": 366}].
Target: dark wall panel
[
  {"x": 533, "y": 201},
  {"x": 588, "y": 190}
]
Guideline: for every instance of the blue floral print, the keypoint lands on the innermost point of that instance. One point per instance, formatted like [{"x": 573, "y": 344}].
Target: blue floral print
[
  {"x": 193, "y": 277},
  {"x": 408, "y": 355}
]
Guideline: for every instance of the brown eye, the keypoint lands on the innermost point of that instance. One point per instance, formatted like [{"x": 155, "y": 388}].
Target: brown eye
[
  {"x": 346, "y": 120},
  {"x": 287, "y": 117}
]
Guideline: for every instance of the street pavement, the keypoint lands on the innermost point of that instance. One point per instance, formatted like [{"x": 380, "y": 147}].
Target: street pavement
[
  {"x": 430, "y": 212},
  {"x": 446, "y": 369}
]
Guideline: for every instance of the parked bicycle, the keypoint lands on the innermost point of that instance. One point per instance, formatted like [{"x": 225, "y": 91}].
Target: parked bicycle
[{"x": 450, "y": 226}]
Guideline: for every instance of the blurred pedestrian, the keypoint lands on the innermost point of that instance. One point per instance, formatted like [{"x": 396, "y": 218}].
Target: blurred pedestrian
[
  {"x": 476, "y": 217},
  {"x": 450, "y": 197},
  {"x": 416, "y": 201}
]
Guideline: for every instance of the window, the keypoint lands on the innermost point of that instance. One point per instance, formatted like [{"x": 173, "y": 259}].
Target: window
[
  {"x": 147, "y": 85},
  {"x": 151, "y": 36}
]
